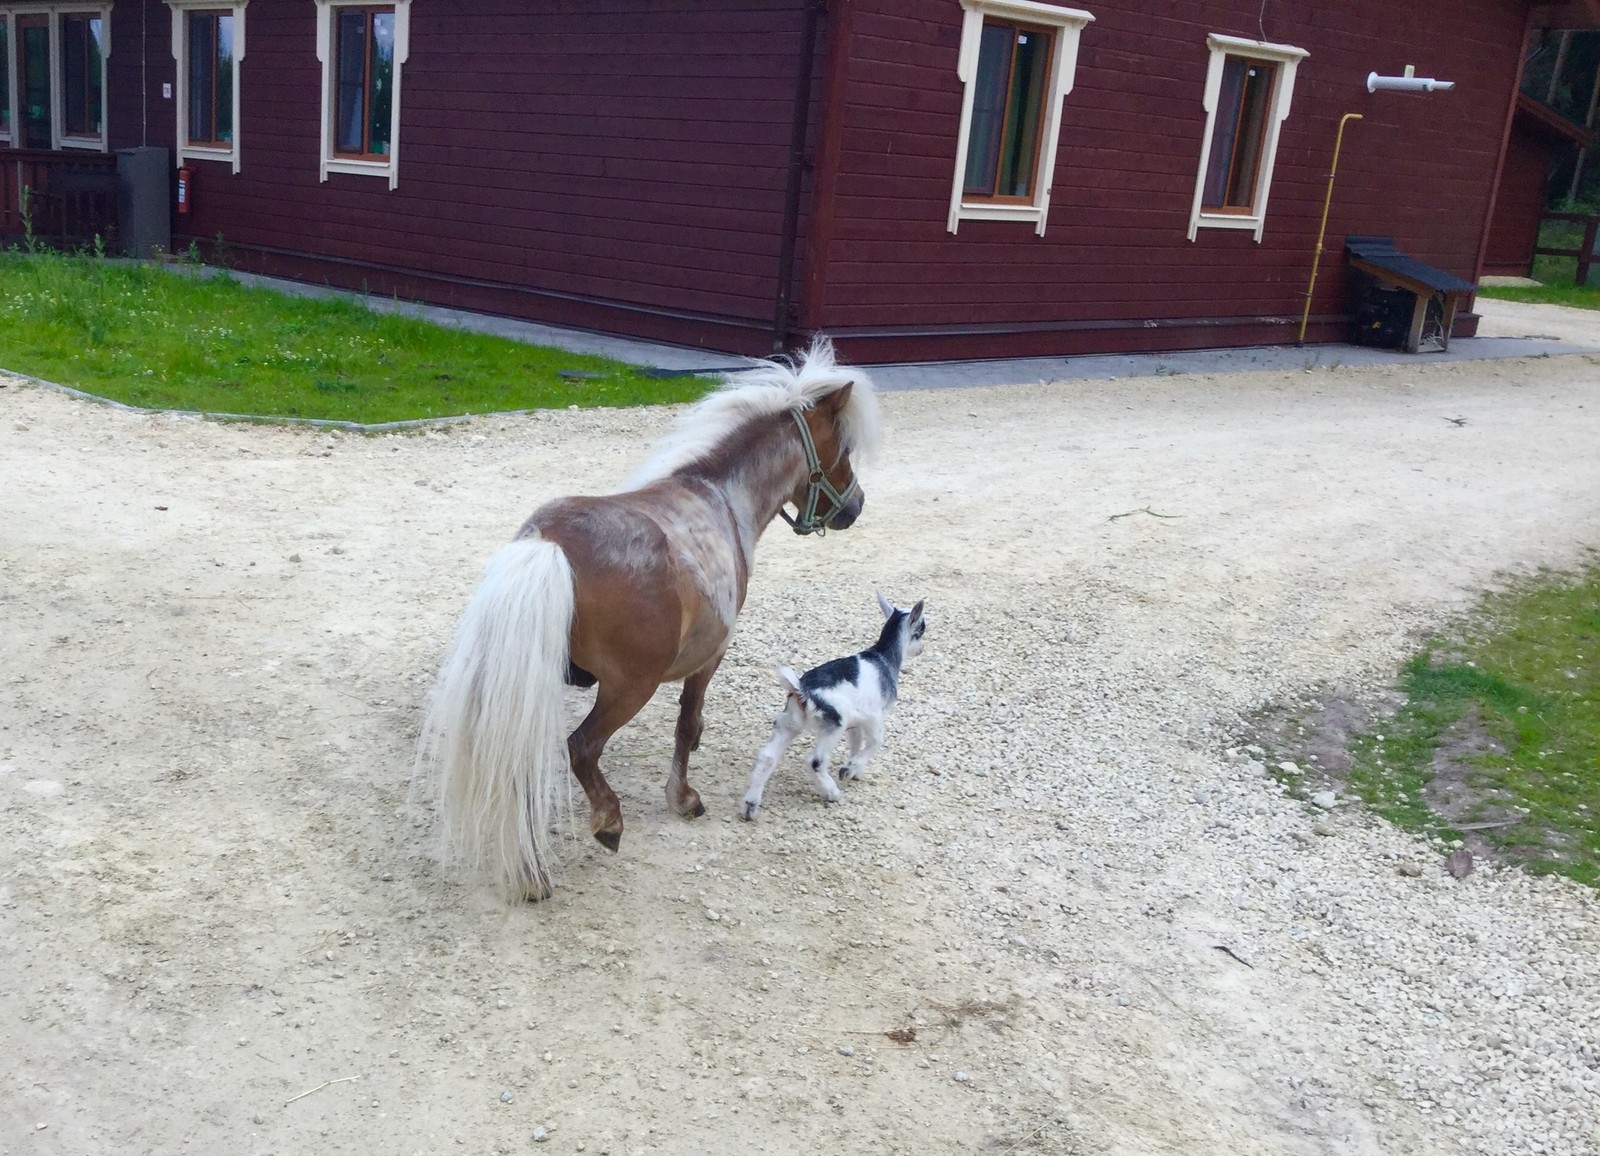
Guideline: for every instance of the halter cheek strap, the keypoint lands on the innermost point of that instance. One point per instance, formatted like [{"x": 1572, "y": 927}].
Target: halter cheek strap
[{"x": 817, "y": 485}]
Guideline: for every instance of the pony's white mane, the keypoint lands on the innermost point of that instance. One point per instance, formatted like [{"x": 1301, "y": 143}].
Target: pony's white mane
[{"x": 772, "y": 388}]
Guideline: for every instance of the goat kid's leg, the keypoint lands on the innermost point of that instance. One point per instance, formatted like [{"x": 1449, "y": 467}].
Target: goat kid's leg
[
  {"x": 681, "y": 797},
  {"x": 615, "y": 703},
  {"x": 826, "y": 787},
  {"x": 863, "y": 745},
  {"x": 785, "y": 729}
]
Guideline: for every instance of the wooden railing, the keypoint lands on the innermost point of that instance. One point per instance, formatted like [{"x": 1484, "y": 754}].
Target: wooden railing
[
  {"x": 1585, "y": 252},
  {"x": 60, "y": 198}
]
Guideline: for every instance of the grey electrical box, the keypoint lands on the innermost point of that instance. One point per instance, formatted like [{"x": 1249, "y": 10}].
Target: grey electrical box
[{"x": 144, "y": 201}]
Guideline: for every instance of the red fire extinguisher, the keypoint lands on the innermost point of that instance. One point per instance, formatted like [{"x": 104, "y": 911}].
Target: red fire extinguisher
[{"x": 185, "y": 190}]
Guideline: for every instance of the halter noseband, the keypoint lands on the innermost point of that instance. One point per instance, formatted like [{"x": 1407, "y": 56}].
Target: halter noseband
[{"x": 818, "y": 485}]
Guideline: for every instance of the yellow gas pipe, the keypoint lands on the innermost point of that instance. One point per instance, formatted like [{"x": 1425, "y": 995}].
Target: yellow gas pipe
[{"x": 1322, "y": 229}]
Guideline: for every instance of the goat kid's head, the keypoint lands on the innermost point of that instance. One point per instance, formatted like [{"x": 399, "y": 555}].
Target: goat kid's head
[{"x": 912, "y": 627}]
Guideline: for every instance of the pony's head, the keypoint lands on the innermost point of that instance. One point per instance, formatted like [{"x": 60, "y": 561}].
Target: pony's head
[
  {"x": 829, "y": 497},
  {"x": 837, "y": 420},
  {"x": 833, "y": 415}
]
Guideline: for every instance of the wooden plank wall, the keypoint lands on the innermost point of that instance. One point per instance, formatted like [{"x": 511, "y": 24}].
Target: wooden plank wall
[
  {"x": 617, "y": 163},
  {"x": 1515, "y": 231},
  {"x": 1114, "y": 269}
]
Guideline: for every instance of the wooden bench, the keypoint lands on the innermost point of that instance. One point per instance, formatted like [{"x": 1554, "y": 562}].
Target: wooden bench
[{"x": 1380, "y": 259}]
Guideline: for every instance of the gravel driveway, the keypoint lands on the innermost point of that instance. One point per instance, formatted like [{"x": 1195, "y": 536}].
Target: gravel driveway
[{"x": 222, "y": 927}]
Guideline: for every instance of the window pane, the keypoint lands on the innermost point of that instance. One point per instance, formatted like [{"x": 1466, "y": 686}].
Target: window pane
[
  {"x": 74, "y": 83},
  {"x": 1252, "y": 130},
  {"x": 988, "y": 108},
  {"x": 202, "y": 75},
  {"x": 1229, "y": 100},
  {"x": 92, "y": 66},
  {"x": 350, "y": 82},
  {"x": 1243, "y": 103},
  {"x": 1024, "y": 110},
  {"x": 224, "y": 78},
  {"x": 381, "y": 96},
  {"x": 5, "y": 80},
  {"x": 35, "y": 67}
]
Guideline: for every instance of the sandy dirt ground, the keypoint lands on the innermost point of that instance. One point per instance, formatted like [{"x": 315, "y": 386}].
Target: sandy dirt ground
[{"x": 223, "y": 926}]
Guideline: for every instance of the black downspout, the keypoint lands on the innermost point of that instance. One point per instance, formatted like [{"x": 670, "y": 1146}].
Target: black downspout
[{"x": 797, "y": 167}]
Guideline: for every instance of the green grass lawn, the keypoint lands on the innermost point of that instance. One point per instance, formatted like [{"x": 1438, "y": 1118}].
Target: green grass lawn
[
  {"x": 1557, "y": 274},
  {"x": 147, "y": 336},
  {"x": 1550, "y": 293},
  {"x": 1509, "y": 707}
]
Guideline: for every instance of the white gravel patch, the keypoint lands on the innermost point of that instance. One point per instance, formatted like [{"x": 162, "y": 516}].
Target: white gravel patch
[{"x": 1108, "y": 928}]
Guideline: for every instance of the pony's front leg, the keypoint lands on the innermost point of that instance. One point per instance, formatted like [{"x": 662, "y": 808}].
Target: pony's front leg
[
  {"x": 615, "y": 703},
  {"x": 681, "y": 797}
]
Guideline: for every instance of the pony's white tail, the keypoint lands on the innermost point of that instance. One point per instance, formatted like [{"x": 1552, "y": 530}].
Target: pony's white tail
[{"x": 495, "y": 729}]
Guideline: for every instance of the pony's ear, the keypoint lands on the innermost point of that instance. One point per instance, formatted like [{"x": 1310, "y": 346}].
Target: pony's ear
[
  {"x": 885, "y": 605},
  {"x": 835, "y": 402}
]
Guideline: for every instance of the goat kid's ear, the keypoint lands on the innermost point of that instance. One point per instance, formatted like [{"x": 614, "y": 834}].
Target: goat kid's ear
[
  {"x": 885, "y": 605},
  {"x": 916, "y": 611}
]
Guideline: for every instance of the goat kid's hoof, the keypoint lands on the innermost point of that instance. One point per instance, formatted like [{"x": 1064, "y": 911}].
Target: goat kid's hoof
[
  {"x": 610, "y": 840},
  {"x": 748, "y": 810}
]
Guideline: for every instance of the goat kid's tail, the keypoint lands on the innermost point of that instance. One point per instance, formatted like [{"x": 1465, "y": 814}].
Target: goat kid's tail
[{"x": 495, "y": 731}]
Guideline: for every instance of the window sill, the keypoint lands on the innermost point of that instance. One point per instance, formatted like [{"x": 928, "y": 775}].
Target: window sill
[
  {"x": 204, "y": 153},
  {"x": 1253, "y": 222},
  {"x": 984, "y": 211},
  {"x": 360, "y": 168},
  {"x": 79, "y": 142}
]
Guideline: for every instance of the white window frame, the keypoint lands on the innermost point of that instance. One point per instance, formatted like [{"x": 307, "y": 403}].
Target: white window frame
[
  {"x": 1287, "y": 58},
  {"x": 58, "y": 137},
  {"x": 1068, "y": 23},
  {"x": 180, "y": 53},
  {"x": 389, "y": 167}
]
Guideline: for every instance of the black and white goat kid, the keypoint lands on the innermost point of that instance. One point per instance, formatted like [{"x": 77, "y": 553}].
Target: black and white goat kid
[{"x": 846, "y": 697}]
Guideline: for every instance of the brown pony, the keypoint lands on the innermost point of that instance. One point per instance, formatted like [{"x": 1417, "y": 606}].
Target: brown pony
[{"x": 630, "y": 590}]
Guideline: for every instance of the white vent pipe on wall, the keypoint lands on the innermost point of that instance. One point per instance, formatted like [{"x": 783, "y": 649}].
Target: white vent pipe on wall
[{"x": 1376, "y": 83}]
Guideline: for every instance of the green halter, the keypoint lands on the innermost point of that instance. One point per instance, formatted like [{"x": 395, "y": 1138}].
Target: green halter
[{"x": 807, "y": 522}]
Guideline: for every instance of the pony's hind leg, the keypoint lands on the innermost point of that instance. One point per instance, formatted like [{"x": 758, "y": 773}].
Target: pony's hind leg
[
  {"x": 681, "y": 797},
  {"x": 791, "y": 720},
  {"x": 617, "y": 701}
]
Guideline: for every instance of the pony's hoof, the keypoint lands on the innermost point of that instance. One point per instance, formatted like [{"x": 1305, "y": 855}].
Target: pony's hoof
[
  {"x": 699, "y": 809},
  {"x": 610, "y": 840},
  {"x": 531, "y": 892}
]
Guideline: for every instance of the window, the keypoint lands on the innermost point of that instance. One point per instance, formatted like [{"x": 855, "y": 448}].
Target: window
[
  {"x": 1247, "y": 93},
  {"x": 208, "y": 44},
  {"x": 1016, "y": 65},
  {"x": 362, "y": 47},
  {"x": 82, "y": 75},
  {"x": 52, "y": 74},
  {"x": 5, "y": 77}
]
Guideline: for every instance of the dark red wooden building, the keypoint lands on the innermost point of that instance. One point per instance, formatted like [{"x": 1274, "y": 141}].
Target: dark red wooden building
[{"x": 919, "y": 178}]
